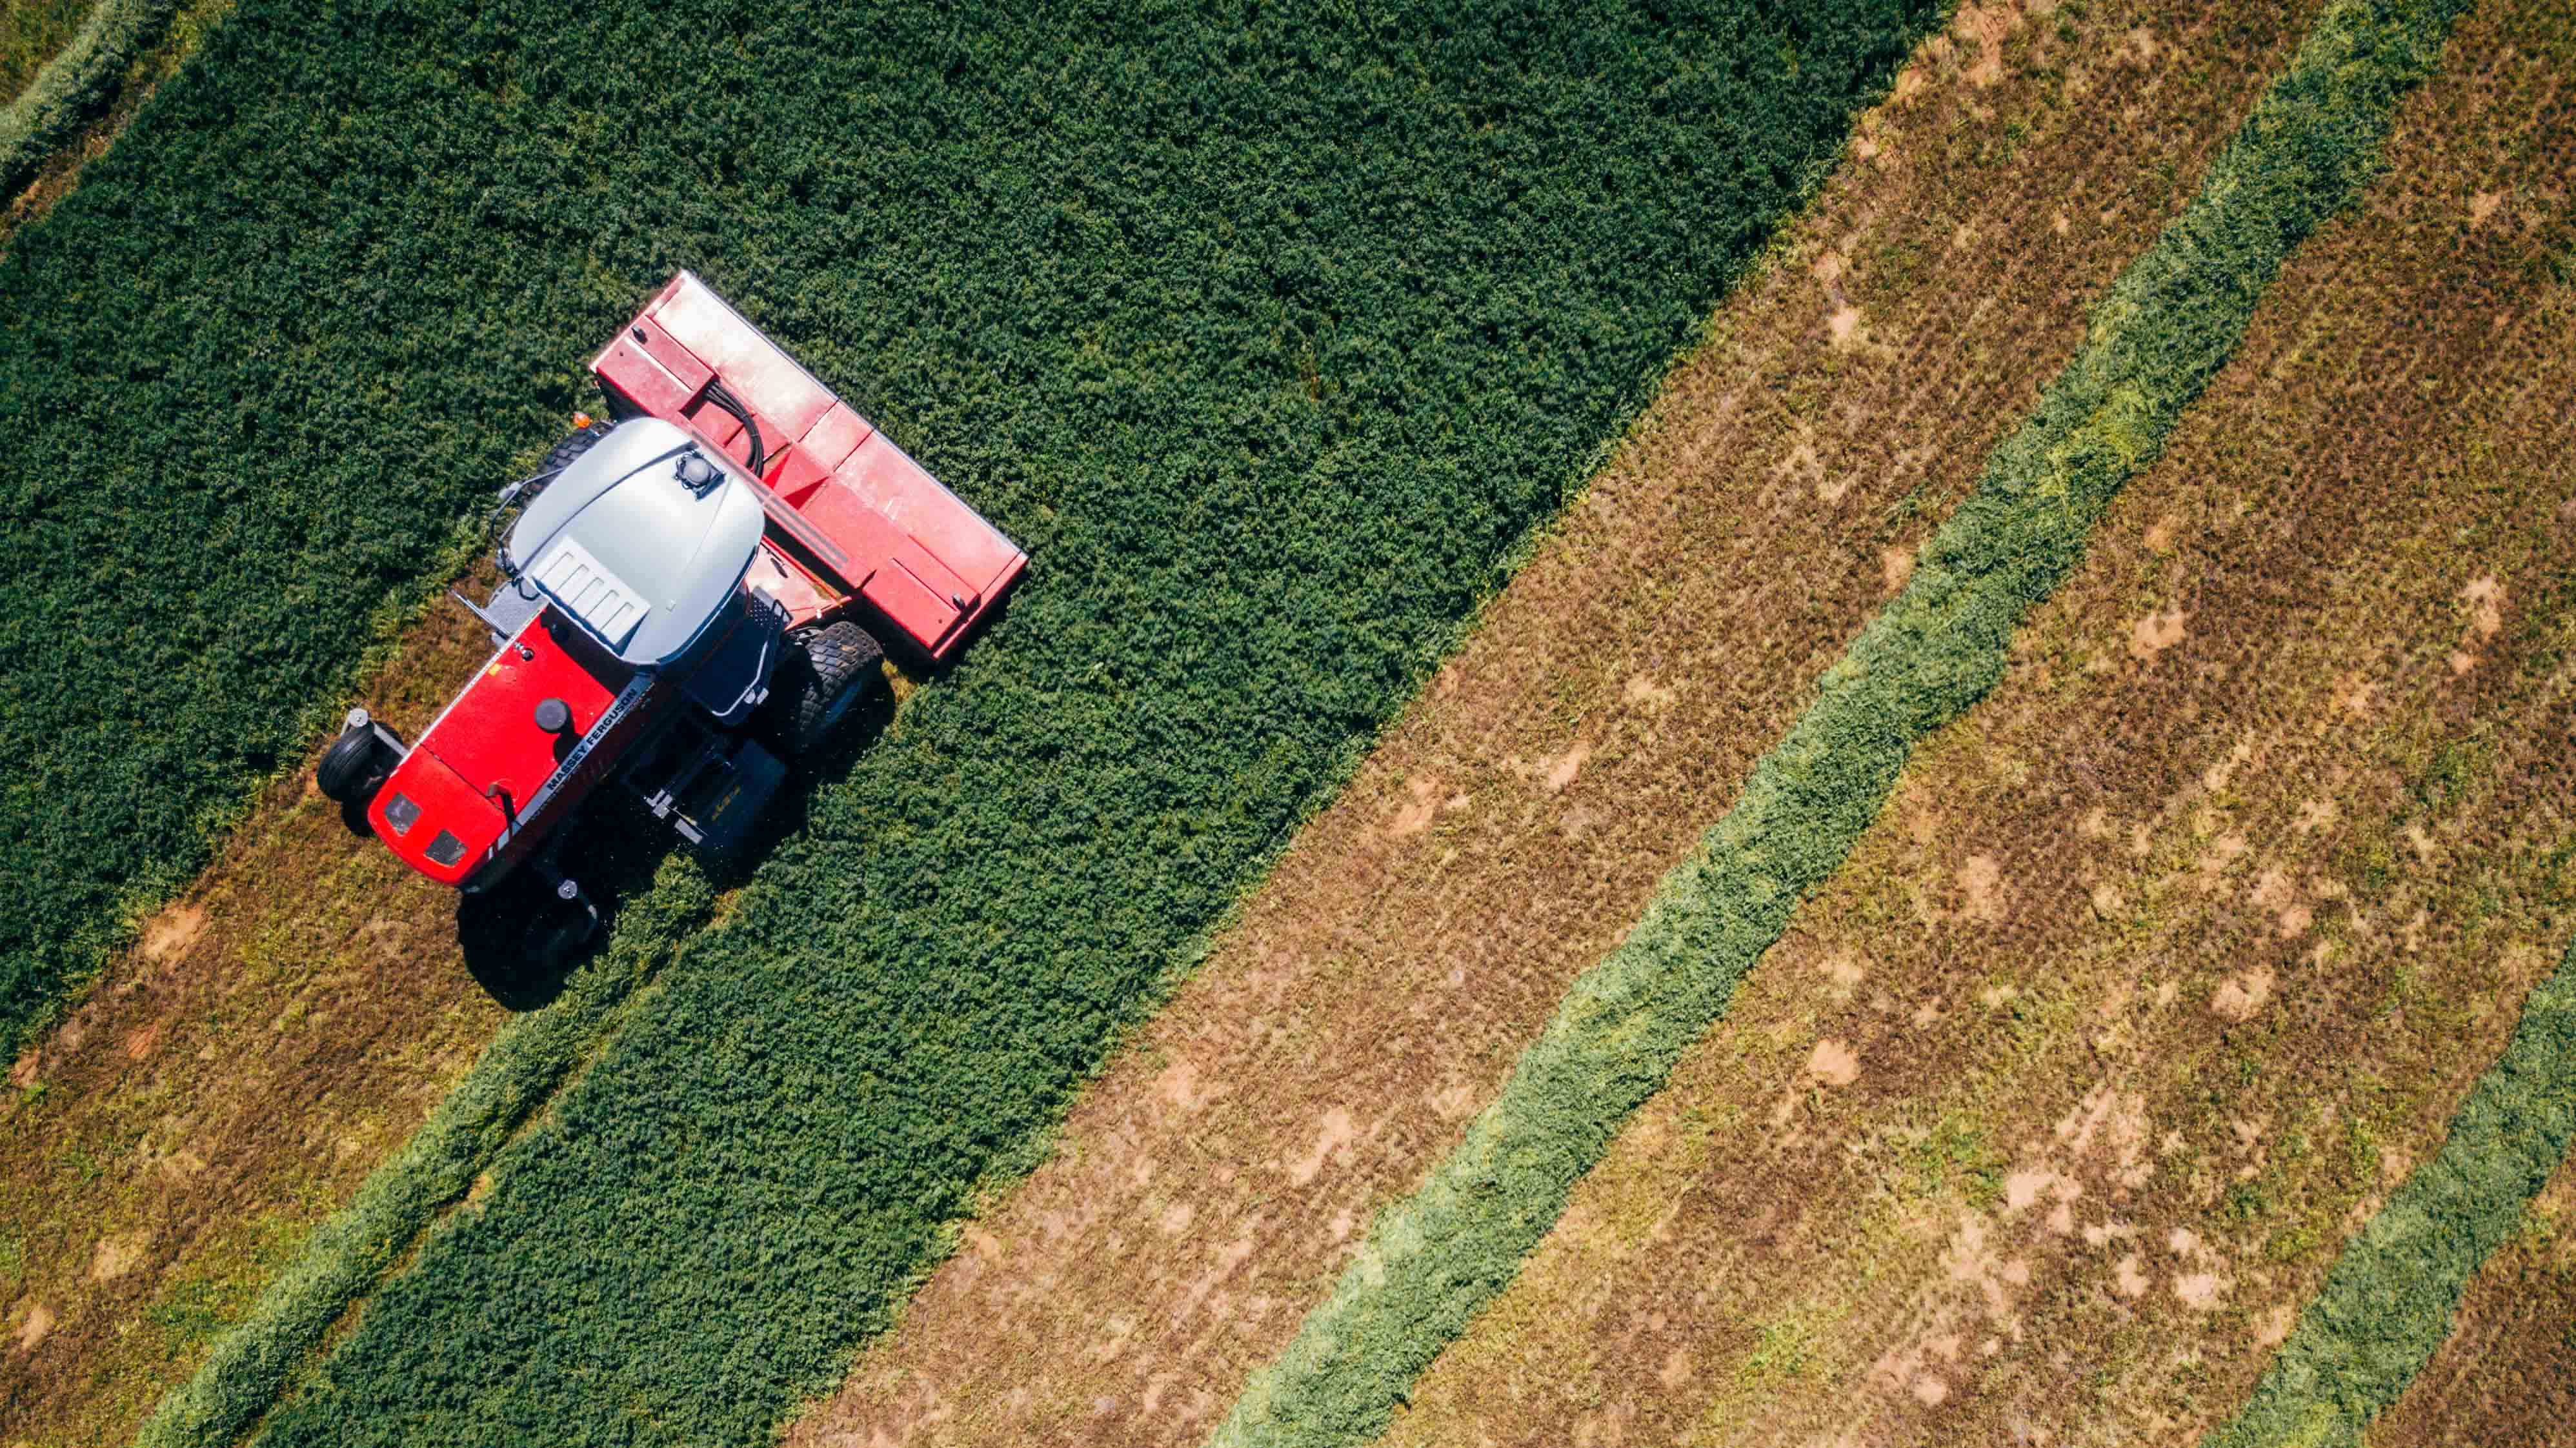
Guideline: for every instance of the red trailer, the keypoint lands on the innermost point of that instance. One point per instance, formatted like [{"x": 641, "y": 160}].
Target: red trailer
[{"x": 688, "y": 592}]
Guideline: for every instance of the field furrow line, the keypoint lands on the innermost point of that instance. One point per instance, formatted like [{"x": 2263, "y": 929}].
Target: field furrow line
[{"x": 1431, "y": 1262}]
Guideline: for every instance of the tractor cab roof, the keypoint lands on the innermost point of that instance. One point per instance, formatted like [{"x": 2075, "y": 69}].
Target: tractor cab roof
[{"x": 641, "y": 539}]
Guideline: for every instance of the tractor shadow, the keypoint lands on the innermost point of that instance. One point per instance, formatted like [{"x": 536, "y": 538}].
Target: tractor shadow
[
  {"x": 614, "y": 849},
  {"x": 792, "y": 808}
]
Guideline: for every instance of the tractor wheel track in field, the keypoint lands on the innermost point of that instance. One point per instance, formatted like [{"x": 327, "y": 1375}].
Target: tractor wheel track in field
[{"x": 1205, "y": 1192}]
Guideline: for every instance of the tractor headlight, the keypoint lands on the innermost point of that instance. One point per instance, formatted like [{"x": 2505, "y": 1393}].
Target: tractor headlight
[
  {"x": 447, "y": 849},
  {"x": 401, "y": 813}
]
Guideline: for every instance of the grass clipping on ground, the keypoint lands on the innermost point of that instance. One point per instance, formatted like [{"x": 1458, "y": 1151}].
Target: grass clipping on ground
[
  {"x": 348, "y": 1254},
  {"x": 2388, "y": 1303},
  {"x": 1432, "y": 1261}
]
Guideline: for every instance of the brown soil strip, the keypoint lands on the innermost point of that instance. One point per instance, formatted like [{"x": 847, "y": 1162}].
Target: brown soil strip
[
  {"x": 2172, "y": 958},
  {"x": 1510, "y": 827},
  {"x": 2507, "y": 1377},
  {"x": 228, "y": 1082}
]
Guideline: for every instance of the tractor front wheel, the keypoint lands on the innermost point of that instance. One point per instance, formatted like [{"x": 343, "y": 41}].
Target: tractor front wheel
[
  {"x": 520, "y": 940},
  {"x": 826, "y": 674},
  {"x": 550, "y": 941},
  {"x": 354, "y": 767}
]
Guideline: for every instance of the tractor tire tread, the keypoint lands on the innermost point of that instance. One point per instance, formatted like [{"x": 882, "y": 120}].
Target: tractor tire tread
[
  {"x": 562, "y": 454},
  {"x": 826, "y": 664},
  {"x": 352, "y": 768}
]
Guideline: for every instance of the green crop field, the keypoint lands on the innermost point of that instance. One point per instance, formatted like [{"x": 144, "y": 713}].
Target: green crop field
[
  {"x": 1269, "y": 332},
  {"x": 1279, "y": 336}
]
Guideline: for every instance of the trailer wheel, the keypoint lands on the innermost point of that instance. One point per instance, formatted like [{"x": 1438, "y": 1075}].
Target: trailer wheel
[
  {"x": 353, "y": 768},
  {"x": 830, "y": 672},
  {"x": 563, "y": 453}
]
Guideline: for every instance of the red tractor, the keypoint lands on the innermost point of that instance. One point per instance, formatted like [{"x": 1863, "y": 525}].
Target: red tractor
[{"x": 689, "y": 592}]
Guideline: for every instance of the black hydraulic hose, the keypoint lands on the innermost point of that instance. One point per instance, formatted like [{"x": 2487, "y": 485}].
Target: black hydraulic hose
[{"x": 723, "y": 397}]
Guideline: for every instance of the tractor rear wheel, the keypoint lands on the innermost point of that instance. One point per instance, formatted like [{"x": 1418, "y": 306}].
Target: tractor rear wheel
[
  {"x": 828, "y": 673},
  {"x": 353, "y": 768},
  {"x": 574, "y": 446}
]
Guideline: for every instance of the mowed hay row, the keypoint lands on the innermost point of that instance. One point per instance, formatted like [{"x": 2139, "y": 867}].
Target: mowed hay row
[
  {"x": 273, "y": 1035},
  {"x": 2053, "y": 1108},
  {"x": 46, "y": 97},
  {"x": 1205, "y": 1193},
  {"x": 2507, "y": 1376}
]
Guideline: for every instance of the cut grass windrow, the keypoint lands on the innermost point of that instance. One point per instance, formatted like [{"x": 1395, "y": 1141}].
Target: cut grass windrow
[
  {"x": 350, "y": 1252},
  {"x": 1433, "y": 1261},
  {"x": 76, "y": 84},
  {"x": 2388, "y": 1303}
]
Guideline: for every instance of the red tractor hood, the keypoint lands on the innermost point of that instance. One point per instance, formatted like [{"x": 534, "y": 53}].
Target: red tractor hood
[{"x": 484, "y": 770}]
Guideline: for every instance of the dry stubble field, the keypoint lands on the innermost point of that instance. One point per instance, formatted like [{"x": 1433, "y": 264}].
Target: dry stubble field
[{"x": 2175, "y": 955}]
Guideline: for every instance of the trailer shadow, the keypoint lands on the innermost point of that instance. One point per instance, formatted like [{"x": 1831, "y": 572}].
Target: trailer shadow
[{"x": 521, "y": 944}]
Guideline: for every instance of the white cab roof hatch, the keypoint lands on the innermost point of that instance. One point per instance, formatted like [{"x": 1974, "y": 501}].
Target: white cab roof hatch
[{"x": 622, "y": 542}]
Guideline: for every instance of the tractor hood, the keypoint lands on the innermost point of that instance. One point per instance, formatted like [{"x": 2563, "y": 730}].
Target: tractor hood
[{"x": 642, "y": 539}]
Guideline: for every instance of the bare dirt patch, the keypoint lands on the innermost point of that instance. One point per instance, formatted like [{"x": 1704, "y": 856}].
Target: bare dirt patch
[
  {"x": 1832, "y": 1063},
  {"x": 1396, "y": 977},
  {"x": 2106, "y": 1198},
  {"x": 172, "y": 931},
  {"x": 33, "y": 1325},
  {"x": 225, "y": 1084},
  {"x": 2156, "y": 633}
]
